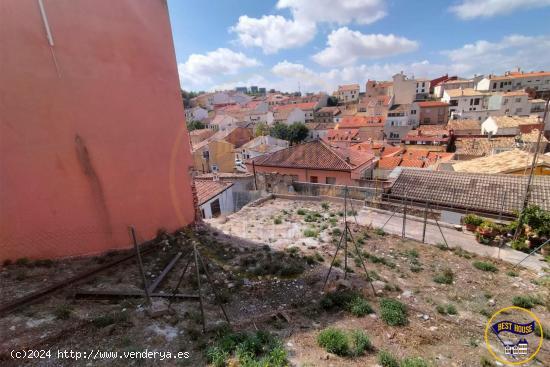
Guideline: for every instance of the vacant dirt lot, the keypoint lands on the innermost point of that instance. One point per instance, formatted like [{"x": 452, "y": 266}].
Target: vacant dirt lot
[{"x": 271, "y": 278}]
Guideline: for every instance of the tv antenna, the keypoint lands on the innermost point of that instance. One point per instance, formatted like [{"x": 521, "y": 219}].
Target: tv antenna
[{"x": 343, "y": 243}]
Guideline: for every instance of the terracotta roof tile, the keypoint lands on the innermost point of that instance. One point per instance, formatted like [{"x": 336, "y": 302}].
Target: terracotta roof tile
[
  {"x": 208, "y": 189},
  {"x": 315, "y": 155},
  {"x": 426, "y": 104}
]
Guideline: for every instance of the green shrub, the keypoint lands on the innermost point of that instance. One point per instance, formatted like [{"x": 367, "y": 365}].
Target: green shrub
[
  {"x": 310, "y": 232},
  {"x": 319, "y": 257},
  {"x": 359, "y": 307},
  {"x": 413, "y": 362},
  {"x": 63, "y": 312},
  {"x": 512, "y": 273},
  {"x": 301, "y": 212},
  {"x": 473, "y": 219},
  {"x": 447, "y": 309},
  {"x": 393, "y": 312},
  {"x": 325, "y": 205},
  {"x": 348, "y": 300},
  {"x": 521, "y": 244},
  {"x": 412, "y": 253},
  {"x": 345, "y": 344},
  {"x": 526, "y": 301},
  {"x": 250, "y": 349},
  {"x": 386, "y": 359},
  {"x": 415, "y": 268},
  {"x": 334, "y": 341},
  {"x": 485, "y": 266},
  {"x": 379, "y": 231},
  {"x": 451, "y": 309},
  {"x": 360, "y": 343},
  {"x": 336, "y": 232},
  {"x": 444, "y": 277},
  {"x": 277, "y": 220}
]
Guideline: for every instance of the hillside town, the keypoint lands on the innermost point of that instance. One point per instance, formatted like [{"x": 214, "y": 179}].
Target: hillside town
[
  {"x": 364, "y": 134},
  {"x": 320, "y": 220}
]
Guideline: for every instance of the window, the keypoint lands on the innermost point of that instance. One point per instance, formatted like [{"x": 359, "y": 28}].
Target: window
[
  {"x": 494, "y": 85},
  {"x": 313, "y": 179},
  {"x": 413, "y": 112},
  {"x": 427, "y": 120},
  {"x": 202, "y": 214},
  {"x": 518, "y": 111},
  {"x": 518, "y": 100},
  {"x": 330, "y": 180},
  {"x": 476, "y": 102},
  {"x": 215, "y": 208}
]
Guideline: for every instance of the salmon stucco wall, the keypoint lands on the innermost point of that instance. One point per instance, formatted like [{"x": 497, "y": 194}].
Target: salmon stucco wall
[
  {"x": 304, "y": 175},
  {"x": 92, "y": 130}
]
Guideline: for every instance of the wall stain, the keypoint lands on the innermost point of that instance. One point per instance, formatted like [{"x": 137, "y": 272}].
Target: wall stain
[{"x": 95, "y": 184}]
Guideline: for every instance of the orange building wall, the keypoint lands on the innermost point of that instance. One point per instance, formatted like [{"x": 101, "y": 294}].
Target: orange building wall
[
  {"x": 92, "y": 130},
  {"x": 342, "y": 178}
]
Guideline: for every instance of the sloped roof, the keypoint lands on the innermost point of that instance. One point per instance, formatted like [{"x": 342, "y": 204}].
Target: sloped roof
[
  {"x": 291, "y": 106},
  {"x": 468, "y": 124},
  {"x": 361, "y": 121},
  {"x": 504, "y": 162},
  {"x": 426, "y": 104},
  {"x": 514, "y": 121},
  {"x": 209, "y": 189},
  {"x": 314, "y": 155},
  {"x": 488, "y": 193}
]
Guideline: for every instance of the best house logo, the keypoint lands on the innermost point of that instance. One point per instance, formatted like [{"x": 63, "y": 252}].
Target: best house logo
[{"x": 510, "y": 335}]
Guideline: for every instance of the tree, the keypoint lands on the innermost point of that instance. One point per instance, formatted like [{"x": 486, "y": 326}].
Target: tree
[
  {"x": 332, "y": 101},
  {"x": 297, "y": 132},
  {"x": 261, "y": 129},
  {"x": 195, "y": 125},
  {"x": 279, "y": 131}
]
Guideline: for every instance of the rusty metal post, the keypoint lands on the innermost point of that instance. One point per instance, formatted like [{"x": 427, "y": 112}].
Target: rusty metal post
[{"x": 140, "y": 265}]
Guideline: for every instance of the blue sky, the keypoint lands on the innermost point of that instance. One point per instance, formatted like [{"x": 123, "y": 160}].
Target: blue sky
[{"x": 318, "y": 44}]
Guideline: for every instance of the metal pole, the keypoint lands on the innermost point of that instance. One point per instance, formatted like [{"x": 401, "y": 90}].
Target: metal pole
[
  {"x": 532, "y": 252},
  {"x": 404, "y": 220},
  {"x": 212, "y": 284},
  {"x": 199, "y": 286},
  {"x": 528, "y": 188},
  {"x": 254, "y": 171},
  {"x": 363, "y": 263},
  {"x": 425, "y": 223},
  {"x": 140, "y": 266},
  {"x": 345, "y": 233},
  {"x": 333, "y": 259}
]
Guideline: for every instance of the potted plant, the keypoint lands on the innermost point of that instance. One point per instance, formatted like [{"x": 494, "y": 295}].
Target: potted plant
[
  {"x": 472, "y": 221},
  {"x": 487, "y": 229}
]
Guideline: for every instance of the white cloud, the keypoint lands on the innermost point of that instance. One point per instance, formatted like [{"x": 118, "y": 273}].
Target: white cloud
[
  {"x": 199, "y": 68},
  {"x": 469, "y": 9},
  {"x": 336, "y": 11},
  {"x": 273, "y": 32},
  {"x": 345, "y": 47},
  {"x": 482, "y": 57}
]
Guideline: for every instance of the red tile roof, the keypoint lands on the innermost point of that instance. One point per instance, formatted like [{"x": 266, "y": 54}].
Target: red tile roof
[
  {"x": 411, "y": 162},
  {"x": 342, "y": 134},
  {"x": 291, "y": 106},
  {"x": 350, "y": 122},
  {"x": 314, "y": 155},
  {"x": 208, "y": 189},
  {"x": 239, "y": 136},
  {"x": 391, "y": 150},
  {"x": 389, "y": 162},
  {"x": 426, "y": 104}
]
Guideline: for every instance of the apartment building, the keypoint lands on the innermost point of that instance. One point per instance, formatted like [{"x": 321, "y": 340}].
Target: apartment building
[
  {"x": 514, "y": 80},
  {"x": 347, "y": 93}
]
